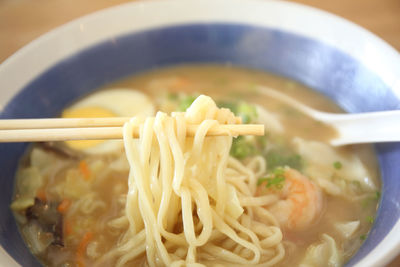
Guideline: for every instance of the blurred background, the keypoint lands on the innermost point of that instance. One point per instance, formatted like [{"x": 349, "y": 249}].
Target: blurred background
[{"x": 21, "y": 21}]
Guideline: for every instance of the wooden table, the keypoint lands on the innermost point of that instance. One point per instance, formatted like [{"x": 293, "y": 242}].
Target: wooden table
[{"x": 21, "y": 21}]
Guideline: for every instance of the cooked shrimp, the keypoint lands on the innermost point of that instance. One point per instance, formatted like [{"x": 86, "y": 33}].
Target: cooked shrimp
[{"x": 300, "y": 201}]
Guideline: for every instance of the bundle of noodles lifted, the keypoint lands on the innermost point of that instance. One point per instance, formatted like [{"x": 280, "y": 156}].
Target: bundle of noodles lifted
[{"x": 189, "y": 202}]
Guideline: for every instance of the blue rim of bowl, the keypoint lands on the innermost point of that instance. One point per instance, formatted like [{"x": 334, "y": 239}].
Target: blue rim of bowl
[{"x": 317, "y": 65}]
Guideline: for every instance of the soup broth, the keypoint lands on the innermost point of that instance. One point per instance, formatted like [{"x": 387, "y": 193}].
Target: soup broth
[{"x": 69, "y": 200}]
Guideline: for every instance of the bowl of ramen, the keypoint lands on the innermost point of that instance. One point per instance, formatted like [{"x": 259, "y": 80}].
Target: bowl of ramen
[{"x": 169, "y": 199}]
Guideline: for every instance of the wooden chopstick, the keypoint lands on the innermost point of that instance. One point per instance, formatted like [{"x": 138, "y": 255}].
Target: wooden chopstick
[
  {"x": 13, "y": 124},
  {"x": 100, "y": 133}
]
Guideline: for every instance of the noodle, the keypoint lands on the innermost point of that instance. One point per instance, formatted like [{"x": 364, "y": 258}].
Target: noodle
[{"x": 180, "y": 205}]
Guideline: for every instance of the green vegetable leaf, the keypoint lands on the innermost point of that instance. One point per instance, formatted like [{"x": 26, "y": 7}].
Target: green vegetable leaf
[
  {"x": 246, "y": 111},
  {"x": 371, "y": 200},
  {"x": 370, "y": 219},
  {"x": 279, "y": 172},
  {"x": 229, "y": 105},
  {"x": 337, "y": 165},
  {"x": 276, "y": 159},
  {"x": 363, "y": 237},
  {"x": 185, "y": 102},
  {"x": 261, "y": 180},
  {"x": 241, "y": 148},
  {"x": 276, "y": 179}
]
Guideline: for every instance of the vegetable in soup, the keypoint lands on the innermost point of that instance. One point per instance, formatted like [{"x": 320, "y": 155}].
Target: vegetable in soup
[{"x": 283, "y": 199}]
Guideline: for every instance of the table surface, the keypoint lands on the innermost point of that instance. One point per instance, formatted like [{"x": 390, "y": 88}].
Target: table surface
[{"x": 21, "y": 21}]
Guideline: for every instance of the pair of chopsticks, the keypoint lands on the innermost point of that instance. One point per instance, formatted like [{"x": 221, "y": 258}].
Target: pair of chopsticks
[{"x": 40, "y": 130}]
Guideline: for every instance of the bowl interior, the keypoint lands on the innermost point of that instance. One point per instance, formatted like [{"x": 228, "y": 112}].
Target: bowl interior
[{"x": 317, "y": 65}]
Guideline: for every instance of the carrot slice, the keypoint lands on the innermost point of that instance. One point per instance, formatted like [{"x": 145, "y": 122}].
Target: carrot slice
[
  {"x": 63, "y": 206},
  {"x": 84, "y": 168},
  {"x": 81, "y": 250},
  {"x": 67, "y": 227}
]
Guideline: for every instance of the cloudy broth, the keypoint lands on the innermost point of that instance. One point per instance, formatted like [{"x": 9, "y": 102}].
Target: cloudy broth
[{"x": 85, "y": 230}]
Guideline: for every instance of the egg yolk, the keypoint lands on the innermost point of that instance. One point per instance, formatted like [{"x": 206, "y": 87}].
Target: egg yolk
[{"x": 86, "y": 112}]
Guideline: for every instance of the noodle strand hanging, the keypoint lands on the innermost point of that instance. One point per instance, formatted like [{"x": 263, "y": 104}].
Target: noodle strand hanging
[{"x": 178, "y": 195}]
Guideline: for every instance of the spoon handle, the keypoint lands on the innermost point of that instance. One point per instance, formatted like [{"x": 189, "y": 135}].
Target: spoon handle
[{"x": 372, "y": 127}]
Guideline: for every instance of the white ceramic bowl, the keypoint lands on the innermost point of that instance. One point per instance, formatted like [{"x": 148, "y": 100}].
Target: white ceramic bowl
[{"x": 331, "y": 55}]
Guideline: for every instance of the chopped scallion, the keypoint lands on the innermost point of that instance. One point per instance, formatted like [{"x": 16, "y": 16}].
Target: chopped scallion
[
  {"x": 370, "y": 219},
  {"x": 246, "y": 111},
  {"x": 337, "y": 165},
  {"x": 371, "y": 200},
  {"x": 228, "y": 105},
  {"x": 276, "y": 179},
  {"x": 241, "y": 148},
  {"x": 261, "y": 180},
  {"x": 185, "y": 103},
  {"x": 276, "y": 159}
]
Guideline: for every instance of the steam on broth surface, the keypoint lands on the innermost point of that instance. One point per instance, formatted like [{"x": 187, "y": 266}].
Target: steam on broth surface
[{"x": 307, "y": 203}]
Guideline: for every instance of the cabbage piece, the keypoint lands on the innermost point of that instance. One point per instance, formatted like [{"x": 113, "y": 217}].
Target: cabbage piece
[
  {"x": 37, "y": 240},
  {"x": 22, "y": 203},
  {"x": 270, "y": 120},
  {"x": 323, "y": 253},
  {"x": 92, "y": 250},
  {"x": 20, "y": 218},
  {"x": 322, "y": 166},
  {"x": 41, "y": 160},
  {"x": 74, "y": 187},
  {"x": 29, "y": 180},
  {"x": 120, "y": 164},
  {"x": 233, "y": 208},
  {"x": 97, "y": 167},
  {"x": 347, "y": 229}
]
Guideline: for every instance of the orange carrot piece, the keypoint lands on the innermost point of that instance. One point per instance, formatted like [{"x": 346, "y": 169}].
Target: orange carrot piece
[
  {"x": 67, "y": 227},
  {"x": 84, "y": 168},
  {"x": 63, "y": 206},
  {"x": 41, "y": 194},
  {"x": 81, "y": 250}
]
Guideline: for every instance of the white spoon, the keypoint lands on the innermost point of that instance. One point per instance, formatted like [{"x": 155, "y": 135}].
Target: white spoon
[{"x": 370, "y": 127}]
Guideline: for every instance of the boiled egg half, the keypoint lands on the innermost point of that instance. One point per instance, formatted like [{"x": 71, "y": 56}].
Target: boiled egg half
[{"x": 118, "y": 102}]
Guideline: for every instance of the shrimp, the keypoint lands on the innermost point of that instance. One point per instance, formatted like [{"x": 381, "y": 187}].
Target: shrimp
[{"x": 299, "y": 201}]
